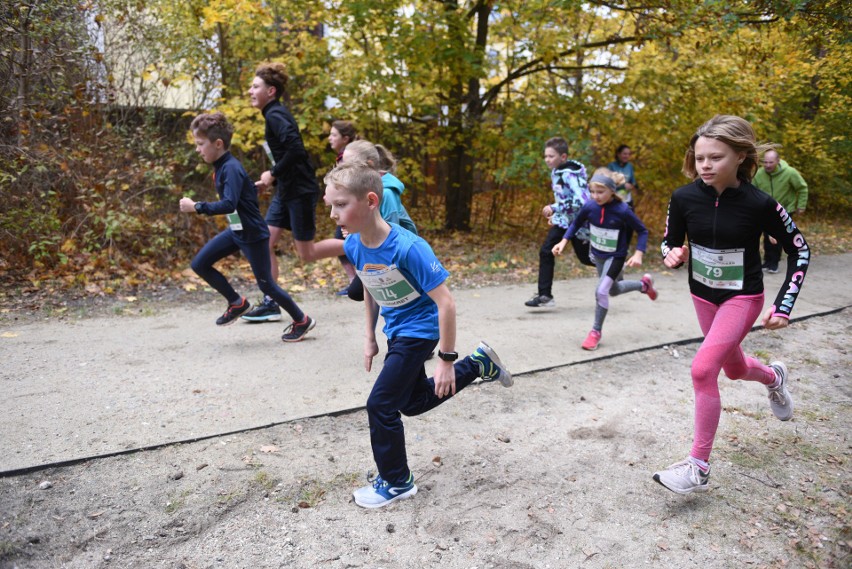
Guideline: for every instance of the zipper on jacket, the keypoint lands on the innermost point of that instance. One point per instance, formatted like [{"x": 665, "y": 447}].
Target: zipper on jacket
[
  {"x": 602, "y": 215},
  {"x": 715, "y": 215}
]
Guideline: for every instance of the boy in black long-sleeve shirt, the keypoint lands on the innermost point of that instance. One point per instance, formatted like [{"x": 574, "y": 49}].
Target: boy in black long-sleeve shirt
[
  {"x": 294, "y": 205},
  {"x": 247, "y": 231}
]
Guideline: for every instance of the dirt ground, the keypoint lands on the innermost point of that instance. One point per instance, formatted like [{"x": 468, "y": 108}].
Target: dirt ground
[{"x": 554, "y": 472}]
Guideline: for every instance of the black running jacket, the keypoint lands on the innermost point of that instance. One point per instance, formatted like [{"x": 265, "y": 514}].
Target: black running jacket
[{"x": 724, "y": 234}]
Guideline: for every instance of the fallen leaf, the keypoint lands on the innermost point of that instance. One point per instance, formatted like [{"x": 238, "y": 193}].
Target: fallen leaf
[
  {"x": 269, "y": 448},
  {"x": 9, "y": 335}
]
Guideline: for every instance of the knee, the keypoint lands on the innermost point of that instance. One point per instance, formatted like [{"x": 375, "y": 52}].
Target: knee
[
  {"x": 376, "y": 408},
  {"x": 198, "y": 267},
  {"x": 602, "y": 297},
  {"x": 703, "y": 372}
]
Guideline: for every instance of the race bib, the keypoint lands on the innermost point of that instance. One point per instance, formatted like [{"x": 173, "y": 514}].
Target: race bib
[
  {"x": 604, "y": 240},
  {"x": 718, "y": 268},
  {"x": 234, "y": 221},
  {"x": 388, "y": 286}
]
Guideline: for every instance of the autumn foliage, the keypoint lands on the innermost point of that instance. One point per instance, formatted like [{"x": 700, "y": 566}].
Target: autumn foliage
[{"x": 464, "y": 93}]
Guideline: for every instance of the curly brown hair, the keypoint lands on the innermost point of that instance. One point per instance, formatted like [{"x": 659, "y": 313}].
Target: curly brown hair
[
  {"x": 273, "y": 74},
  {"x": 213, "y": 126}
]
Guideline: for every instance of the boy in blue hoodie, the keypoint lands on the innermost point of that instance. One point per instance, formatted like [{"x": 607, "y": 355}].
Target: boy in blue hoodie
[{"x": 570, "y": 191}]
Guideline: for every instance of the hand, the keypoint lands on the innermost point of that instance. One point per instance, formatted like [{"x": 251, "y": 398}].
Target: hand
[
  {"x": 445, "y": 379},
  {"x": 773, "y": 240},
  {"x": 371, "y": 349},
  {"x": 345, "y": 232},
  {"x": 266, "y": 181},
  {"x": 636, "y": 259},
  {"x": 629, "y": 187},
  {"x": 677, "y": 256},
  {"x": 774, "y": 322},
  {"x": 547, "y": 211},
  {"x": 558, "y": 248},
  {"x": 187, "y": 205}
]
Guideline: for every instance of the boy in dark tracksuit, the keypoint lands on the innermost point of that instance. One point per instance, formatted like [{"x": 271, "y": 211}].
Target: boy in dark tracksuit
[{"x": 247, "y": 231}]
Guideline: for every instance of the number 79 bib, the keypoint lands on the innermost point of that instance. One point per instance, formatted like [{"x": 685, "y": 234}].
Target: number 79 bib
[{"x": 718, "y": 268}]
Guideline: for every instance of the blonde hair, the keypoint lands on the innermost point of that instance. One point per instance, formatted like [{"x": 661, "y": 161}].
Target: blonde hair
[
  {"x": 362, "y": 151},
  {"x": 375, "y": 155},
  {"x": 738, "y": 134},
  {"x": 356, "y": 177},
  {"x": 617, "y": 178}
]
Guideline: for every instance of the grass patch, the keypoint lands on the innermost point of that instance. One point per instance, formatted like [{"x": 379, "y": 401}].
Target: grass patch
[
  {"x": 264, "y": 480},
  {"x": 227, "y": 498},
  {"x": 762, "y": 355},
  {"x": 177, "y": 502},
  {"x": 311, "y": 492},
  {"x": 7, "y": 549}
]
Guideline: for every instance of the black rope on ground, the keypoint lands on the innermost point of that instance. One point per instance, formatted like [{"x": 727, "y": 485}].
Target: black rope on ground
[
  {"x": 658, "y": 346},
  {"x": 340, "y": 413}
]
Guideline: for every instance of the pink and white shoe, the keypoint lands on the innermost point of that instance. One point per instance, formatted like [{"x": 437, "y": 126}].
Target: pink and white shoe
[
  {"x": 648, "y": 286},
  {"x": 591, "y": 341}
]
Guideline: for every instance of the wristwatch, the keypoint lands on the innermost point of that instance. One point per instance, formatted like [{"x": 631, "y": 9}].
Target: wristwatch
[
  {"x": 197, "y": 207},
  {"x": 448, "y": 356}
]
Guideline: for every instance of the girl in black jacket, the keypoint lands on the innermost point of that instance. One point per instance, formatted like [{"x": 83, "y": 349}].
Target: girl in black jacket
[{"x": 723, "y": 217}]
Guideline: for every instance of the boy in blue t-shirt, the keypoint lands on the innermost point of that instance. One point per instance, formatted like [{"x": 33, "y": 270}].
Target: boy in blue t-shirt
[{"x": 404, "y": 277}]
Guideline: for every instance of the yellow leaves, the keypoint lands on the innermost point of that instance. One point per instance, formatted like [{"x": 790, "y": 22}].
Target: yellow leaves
[{"x": 213, "y": 15}]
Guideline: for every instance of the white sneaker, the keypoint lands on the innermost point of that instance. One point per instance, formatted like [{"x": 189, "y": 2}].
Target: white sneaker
[
  {"x": 684, "y": 477},
  {"x": 779, "y": 398},
  {"x": 381, "y": 493}
]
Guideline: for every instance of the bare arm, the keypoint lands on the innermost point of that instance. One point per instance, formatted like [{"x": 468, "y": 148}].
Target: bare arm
[
  {"x": 445, "y": 372},
  {"x": 371, "y": 347}
]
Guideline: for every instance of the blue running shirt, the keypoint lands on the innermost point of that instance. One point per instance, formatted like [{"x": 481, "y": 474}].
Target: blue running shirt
[{"x": 398, "y": 274}]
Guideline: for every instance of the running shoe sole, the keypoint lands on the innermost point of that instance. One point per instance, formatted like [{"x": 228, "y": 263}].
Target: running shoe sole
[
  {"x": 311, "y": 325},
  {"x": 403, "y": 496},
  {"x": 267, "y": 318},
  {"x": 505, "y": 375}
]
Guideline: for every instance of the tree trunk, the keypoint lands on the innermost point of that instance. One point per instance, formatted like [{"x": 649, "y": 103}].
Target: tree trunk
[
  {"x": 20, "y": 69},
  {"x": 464, "y": 122},
  {"x": 459, "y": 196}
]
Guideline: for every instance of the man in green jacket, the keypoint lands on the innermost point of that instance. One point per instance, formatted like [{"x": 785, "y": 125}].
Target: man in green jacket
[{"x": 787, "y": 187}]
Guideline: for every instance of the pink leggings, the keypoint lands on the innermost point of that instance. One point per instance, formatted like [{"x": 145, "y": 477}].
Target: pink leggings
[{"x": 724, "y": 328}]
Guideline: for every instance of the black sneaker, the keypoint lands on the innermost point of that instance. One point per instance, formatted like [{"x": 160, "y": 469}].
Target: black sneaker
[
  {"x": 297, "y": 331},
  {"x": 541, "y": 301},
  {"x": 772, "y": 270},
  {"x": 234, "y": 311},
  {"x": 267, "y": 311}
]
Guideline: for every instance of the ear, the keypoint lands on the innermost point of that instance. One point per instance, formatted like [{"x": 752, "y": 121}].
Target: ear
[{"x": 373, "y": 199}]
